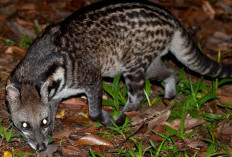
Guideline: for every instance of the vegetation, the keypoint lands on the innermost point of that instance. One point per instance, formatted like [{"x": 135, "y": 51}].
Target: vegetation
[{"x": 191, "y": 99}]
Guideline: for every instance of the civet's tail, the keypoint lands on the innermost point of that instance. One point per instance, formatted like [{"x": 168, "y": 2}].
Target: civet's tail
[{"x": 188, "y": 54}]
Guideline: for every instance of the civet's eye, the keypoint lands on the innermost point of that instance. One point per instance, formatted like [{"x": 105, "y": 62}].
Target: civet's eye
[
  {"x": 25, "y": 125},
  {"x": 44, "y": 122}
]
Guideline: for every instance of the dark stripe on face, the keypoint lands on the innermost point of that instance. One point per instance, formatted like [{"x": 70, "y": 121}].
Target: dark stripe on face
[{"x": 49, "y": 71}]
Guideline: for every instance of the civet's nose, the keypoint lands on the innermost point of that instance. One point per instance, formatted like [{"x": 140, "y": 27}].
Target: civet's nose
[{"x": 41, "y": 147}]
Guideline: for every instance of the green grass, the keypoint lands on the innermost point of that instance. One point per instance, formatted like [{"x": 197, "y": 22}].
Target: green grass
[
  {"x": 194, "y": 95},
  {"x": 7, "y": 133},
  {"x": 117, "y": 93},
  {"x": 25, "y": 42},
  {"x": 122, "y": 130}
]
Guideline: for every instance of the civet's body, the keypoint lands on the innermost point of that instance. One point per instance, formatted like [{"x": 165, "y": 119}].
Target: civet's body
[{"x": 101, "y": 40}]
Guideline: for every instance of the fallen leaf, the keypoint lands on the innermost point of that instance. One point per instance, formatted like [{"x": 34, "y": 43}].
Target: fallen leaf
[
  {"x": 72, "y": 151},
  {"x": 81, "y": 119},
  {"x": 225, "y": 137},
  {"x": 211, "y": 107},
  {"x": 99, "y": 149},
  {"x": 195, "y": 141},
  {"x": 129, "y": 145},
  {"x": 15, "y": 49},
  {"x": 23, "y": 149},
  {"x": 74, "y": 103},
  {"x": 163, "y": 117},
  {"x": 216, "y": 135},
  {"x": 90, "y": 129},
  {"x": 61, "y": 114},
  {"x": 197, "y": 144},
  {"x": 131, "y": 114},
  {"x": 7, "y": 154},
  {"x": 226, "y": 6},
  {"x": 225, "y": 99},
  {"x": 63, "y": 133},
  {"x": 93, "y": 140},
  {"x": 180, "y": 144},
  {"x": 219, "y": 91},
  {"x": 27, "y": 24},
  {"x": 107, "y": 108},
  {"x": 155, "y": 137},
  {"x": 209, "y": 10},
  {"x": 188, "y": 123},
  {"x": 143, "y": 116},
  {"x": 225, "y": 129}
]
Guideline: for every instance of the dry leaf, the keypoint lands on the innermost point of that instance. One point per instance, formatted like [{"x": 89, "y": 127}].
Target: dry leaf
[
  {"x": 225, "y": 129},
  {"x": 155, "y": 137},
  {"x": 61, "y": 114},
  {"x": 74, "y": 103},
  {"x": 81, "y": 119},
  {"x": 90, "y": 129},
  {"x": 93, "y": 140},
  {"x": 180, "y": 144},
  {"x": 27, "y": 24},
  {"x": 225, "y": 99},
  {"x": 197, "y": 144},
  {"x": 23, "y": 149},
  {"x": 63, "y": 133},
  {"x": 158, "y": 120},
  {"x": 72, "y": 151},
  {"x": 225, "y": 137},
  {"x": 188, "y": 123},
  {"x": 16, "y": 49},
  {"x": 207, "y": 7},
  {"x": 7, "y": 154},
  {"x": 131, "y": 114},
  {"x": 143, "y": 116}
]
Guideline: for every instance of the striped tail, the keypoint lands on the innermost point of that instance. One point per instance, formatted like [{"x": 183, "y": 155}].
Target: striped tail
[{"x": 189, "y": 54}]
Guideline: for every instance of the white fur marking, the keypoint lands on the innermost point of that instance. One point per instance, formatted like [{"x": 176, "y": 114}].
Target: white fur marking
[
  {"x": 52, "y": 92},
  {"x": 25, "y": 133},
  {"x": 59, "y": 75},
  {"x": 32, "y": 145},
  {"x": 67, "y": 92}
]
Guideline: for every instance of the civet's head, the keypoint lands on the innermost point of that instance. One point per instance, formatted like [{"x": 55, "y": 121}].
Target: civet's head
[{"x": 32, "y": 114}]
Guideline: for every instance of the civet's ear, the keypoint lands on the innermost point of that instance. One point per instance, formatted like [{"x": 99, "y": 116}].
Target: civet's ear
[
  {"x": 13, "y": 97},
  {"x": 44, "y": 92}
]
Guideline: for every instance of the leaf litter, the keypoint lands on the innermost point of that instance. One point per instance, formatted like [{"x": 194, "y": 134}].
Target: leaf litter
[{"x": 74, "y": 133}]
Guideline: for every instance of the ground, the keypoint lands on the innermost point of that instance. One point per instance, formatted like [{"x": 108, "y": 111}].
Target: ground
[{"x": 170, "y": 129}]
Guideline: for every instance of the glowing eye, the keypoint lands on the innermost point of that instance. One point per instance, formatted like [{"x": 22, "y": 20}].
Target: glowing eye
[
  {"x": 25, "y": 125},
  {"x": 45, "y": 121}
]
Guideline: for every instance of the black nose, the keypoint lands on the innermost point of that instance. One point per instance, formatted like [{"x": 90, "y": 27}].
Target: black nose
[{"x": 41, "y": 147}]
